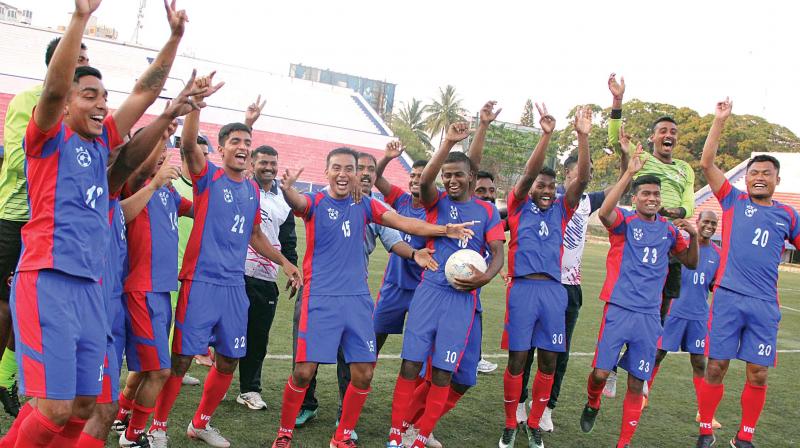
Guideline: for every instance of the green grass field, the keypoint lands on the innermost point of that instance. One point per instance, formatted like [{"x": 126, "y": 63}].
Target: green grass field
[{"x": 478, "y": 419}]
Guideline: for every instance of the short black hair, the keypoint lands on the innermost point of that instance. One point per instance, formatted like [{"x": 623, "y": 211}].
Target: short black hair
[
  {"x": 264, "y": 149},
  {"x": 229, "y": 128},
  {"x": 765, "y": 158},
  {"x": 647, "y": 179},
  {"x": 367, "y": 155},
  {"x": 202, "y": 141},
  {"x": 51, "y": 48},
  {"x": 459, "y": 157},
  {"x": 485, "y": 175},
  {"x": 547, "y": 171},
  {"x": 419, "y": 164},
  {"x": 666, "y": 118},
  {"x": 571, "y": 160},
  {"x": 80, "y": 72},
  {"x": 341, "y": 150}
]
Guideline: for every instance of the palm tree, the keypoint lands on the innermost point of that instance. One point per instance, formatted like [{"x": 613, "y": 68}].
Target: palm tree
[
  {"x": 411, "y": 117},
  {"x": 444, "y": 111}
]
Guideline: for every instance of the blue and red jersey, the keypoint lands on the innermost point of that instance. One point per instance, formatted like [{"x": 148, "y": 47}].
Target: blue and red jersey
[
  {"x": 153, "y": 247},
  {"x": 225, "y": 212},
  {"x": 637, "y": 263},
  {"x": 405, "y": 273},
  {"x": 752, "y": 242},
  {"x": 695, "y": 285},
  {"x": 117, "y": 254},
  {"x": 445, "y": 211},
  {"x": 68, "y": 197},
  {"x": 536, "y": 245},
  {"x": 334, "y": 264}
]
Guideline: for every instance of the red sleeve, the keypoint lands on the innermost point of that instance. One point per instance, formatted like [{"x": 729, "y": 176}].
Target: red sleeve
[
  {"x": 110, "y": 135},
  {"x": 496, "y": 233},
  {"x": 184, "y": 207},
  {"x": 514, "y": 202},
  {"x": 568, "y": 211},
  {"x": 41, "y": 143},
  {"x": 724, "y": 190},
  {"x": 394, "y": 194},
  {"x": 307, "y": 212},
  {"x": 376, "y": 211},
  {"x": 618, "y": 220},
  {"x": 681, "y": 243}
]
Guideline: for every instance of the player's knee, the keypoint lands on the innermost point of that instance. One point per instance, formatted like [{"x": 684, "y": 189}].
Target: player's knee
[
  {"x": 599, "y": 376},
  {"x": 106, "y": 412},
  {"x": 441, "y": 377},
  {"x": 180, "y": 364},
  {"x": 516, "y": 362},
  {"x": 547, "y": 362},
  {"x": 83, "y": 407},
  {"x": 410, "y": 369},
  {"x": 715, "y": 372},
  {"x": 635, "y": 385},
  {"x": 57, "y": 411},
  {"x": 225, "y": 365},
  {"x": 361, "y": 377},
  {"x": 757, "y": 375},
  {"x": 160, "y": 376},
  {"x": 302, "y": 374}
]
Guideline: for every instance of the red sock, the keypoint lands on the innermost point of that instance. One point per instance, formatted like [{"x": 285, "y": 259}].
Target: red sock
[
  {"x": 69, "y": 435},
  {"x": 292, "y": 401},
  {"x": 753, "y": 398},
  {"x": 37, "y": 431},
  {"x": 403, "y": 393},
  {"x": 631, "y": 411},
  {"x": 87, "y": 441},
  {"x": 138, "y": 421},
  {"x": 698, "y": 383},
  {"x": 169, "y": 393},
  {"x": 540, "y": 394},
  {"x": 214, "y": 388},
  {"x": 594, "y": 392},
  {"x": 125, "y": 407},
  {"x": 434, "y": 405},
  {"x": 11, "y": 436},
  {"x": 652, "y": 378},
  {"x": 710, "y": 396},
  {"x": 417, "y": 405},
  {"x": 353, "y": 402},
  {"x": 452, "y": 400},
  {"x": 512, "y": 387}
]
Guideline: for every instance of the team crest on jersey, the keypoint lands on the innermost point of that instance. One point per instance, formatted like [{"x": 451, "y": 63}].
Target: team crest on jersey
[
  {"x": 453, "y": 212},
  {"x": 227, "y": 195},
  {"x": 638, "y": 234},
  {"x": 163, "y": 195},
  {"x": 84, "y": 158},
  {"x": 749, "y": 211},
  {"x": 333, "y": 214},
  {"x": 534, "y": 208}
]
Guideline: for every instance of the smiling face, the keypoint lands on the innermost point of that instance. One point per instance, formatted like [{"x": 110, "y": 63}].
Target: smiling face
[
  {"x": 485, "y": 189},
  {"x": 366, "y": 174},
  {"x": 707, "y": 225},
  {"x": 265, "y": 168},
  {"x": 413, "y": 181},
  {"x": 236, "y": 151},
  {"x": 761, "y": 179},
  {"x": 456, "y": 177},
  {"x": 341, "y": 173},
  {"x": 543, "y": 191},
  {"x": 664, "y": 139},
  {"x": 647, "y": 200},
  {"x": 86, "y": 107}
]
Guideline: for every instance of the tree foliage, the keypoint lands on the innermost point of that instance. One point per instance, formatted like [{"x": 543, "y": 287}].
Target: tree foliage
[
  {"x": 445, "y": 110},
  {"x": 527, "y": 118},
  {"x": 409, "y": 125}
]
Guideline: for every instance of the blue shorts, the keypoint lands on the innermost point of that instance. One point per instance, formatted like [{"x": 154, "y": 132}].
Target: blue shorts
[
  {"x": 147, "y": 324},
  {"x": 684, "y": 334},
  {"x": 209, "y": 314},
  {"x": 743, "y": 327},
  {"x": 535, "y": 312},
  {"x": 61, "y": 328},
  {"x": 440, "y": 320},
  {"x": 115, "y": 347},
  {"x": 327, "y": 322},
  {"x": 391, "y": 308},
  {"x": 466, "y": 373},
  {"x": 640, "y": 332}
]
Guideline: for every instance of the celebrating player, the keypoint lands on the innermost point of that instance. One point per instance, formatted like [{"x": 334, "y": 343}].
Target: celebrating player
[
  {"x": 744, "y": 317},
  {"x": 641, "y": 242}
]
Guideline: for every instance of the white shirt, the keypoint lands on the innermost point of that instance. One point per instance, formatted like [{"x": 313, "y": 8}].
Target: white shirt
[
  {"x": 274, "y": 211},
  {"x": 575, "y": 237}
]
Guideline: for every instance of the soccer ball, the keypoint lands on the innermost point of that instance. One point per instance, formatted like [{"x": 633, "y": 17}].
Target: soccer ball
[{"x": 457, "y": 265}]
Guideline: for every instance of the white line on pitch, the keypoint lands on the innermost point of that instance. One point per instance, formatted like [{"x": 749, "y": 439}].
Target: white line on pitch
[{"x": 790, "y": 309}]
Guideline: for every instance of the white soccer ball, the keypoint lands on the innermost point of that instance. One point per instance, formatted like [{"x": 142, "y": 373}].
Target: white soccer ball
[{"x": 457, "y": 265}]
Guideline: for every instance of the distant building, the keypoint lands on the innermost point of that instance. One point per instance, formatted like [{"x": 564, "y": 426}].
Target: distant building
[
  {"x": 95, "y": 30},
  {"x": 12, "y": 14}
]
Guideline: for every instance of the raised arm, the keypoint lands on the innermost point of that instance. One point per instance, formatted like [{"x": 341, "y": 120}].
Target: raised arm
[
  {"x": 486, "y": 116},
  {"x": 58, "y": 81},
  {"x": 690, "y": 256},
  {"x": 148, "y": 87},
  {"x": 253, "y": 112},
  {"x": 624, "y": 156},
  {"x": 607, "y": 213},
  {"x": 714, "y": 175},
  {"x": 295, "y": 200},
  {"x": 583, "y": 125},
  {"x": 427, "y": 183},
  {"x": 617, "y": 90},
  {"x": 393, "y": 150},
  {"x": 536, "y": 160},
  {"x": 134, "y": 204},
  {"x": 192, "y": 154}
]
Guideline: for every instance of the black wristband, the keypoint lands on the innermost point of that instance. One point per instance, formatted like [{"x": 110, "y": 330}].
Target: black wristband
[{"x": 616, "y": 113}]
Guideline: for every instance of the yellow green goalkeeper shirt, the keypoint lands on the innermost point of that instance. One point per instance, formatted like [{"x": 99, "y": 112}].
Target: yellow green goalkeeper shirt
[{"x": 13, "y": 184}]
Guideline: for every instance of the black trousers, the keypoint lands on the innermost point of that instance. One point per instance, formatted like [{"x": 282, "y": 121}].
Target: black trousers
[
  {"x": 310, "y": 401},
  {"x": 10, "y": 248},
  {"x": 574, "y": 303},
  {"x": 263, "y": 297}
]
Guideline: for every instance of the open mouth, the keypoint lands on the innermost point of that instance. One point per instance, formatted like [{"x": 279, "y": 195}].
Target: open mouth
[
  {"x": 759, "y": 185},
  {"x": 240, "y": 156},
  {"x": 668, "y": 142},
  {"x": 366, "y": 180},
  {"x": 342, "y": 184},
  {"x": 97, "y": 118}
]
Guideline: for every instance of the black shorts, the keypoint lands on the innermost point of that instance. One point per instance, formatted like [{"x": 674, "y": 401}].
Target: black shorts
[
  {"x": 10, "y": 247},
  {"x": 672, "y": 287}
]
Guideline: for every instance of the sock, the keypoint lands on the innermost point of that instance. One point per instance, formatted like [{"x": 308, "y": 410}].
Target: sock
[
  {"x": 87, "y": 441},
  {"x": 434, "y": 405},
  {"x": 652, "y": 378},
  {"x": 753, "y": 398},
  {"x": 214, "y": 388},
  {"x": 292, "y": 401},
  {"x": 137, "y": 422},
  {"x": 10, "y": 437},
  {"x": 69, "y": 435},
  {"x": 594, "y": 392},
  {"x": 37, "y": 431},
  {"x": 8, "y": 368},
  {"x": 166, "y": 399},
  {"x": 452, "y": 399},
  {"x": 403, "y": 393},
  {"x": 710, "y": 396},
  {"x": 540, "y": 394},
  {"x": 352, "y": 404},
  {"x": 631, "y": 412},
  {"x": 698, "y": 383},
  {"x": 125, "y": 407},
  {"x": 417, "y": 405},
  {"x": 512, "y": 387}
]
